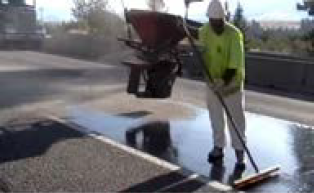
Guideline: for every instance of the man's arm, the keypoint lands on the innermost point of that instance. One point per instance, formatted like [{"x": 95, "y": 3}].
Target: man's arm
[
  {"x": 235, "y": 67},
  {"x": 236, "y": 62}
]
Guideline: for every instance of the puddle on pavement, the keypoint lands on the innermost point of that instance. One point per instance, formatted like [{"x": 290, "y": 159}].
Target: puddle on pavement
[{"x": 187, "y": 143}]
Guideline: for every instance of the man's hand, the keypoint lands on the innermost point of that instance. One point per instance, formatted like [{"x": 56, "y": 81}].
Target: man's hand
[
  {"x": 229, "y": 75},
  {"x": 231, "y": 85},
  {"x": 229, "y": 89},
  {"x": 216, "y": 85}
]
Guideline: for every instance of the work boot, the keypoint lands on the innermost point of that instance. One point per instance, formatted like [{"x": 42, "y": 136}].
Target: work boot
[
  {"x": 216, "y": 155},
  {"x": 240, "y": 155}
]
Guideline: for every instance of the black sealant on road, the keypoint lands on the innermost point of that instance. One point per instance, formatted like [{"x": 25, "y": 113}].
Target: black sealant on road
[{"x": 187, "y": 143}]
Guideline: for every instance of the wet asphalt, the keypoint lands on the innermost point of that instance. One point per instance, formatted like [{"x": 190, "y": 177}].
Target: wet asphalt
[
  {"x": 186, "y": 142},
  {"x": 60, "y": 159}
]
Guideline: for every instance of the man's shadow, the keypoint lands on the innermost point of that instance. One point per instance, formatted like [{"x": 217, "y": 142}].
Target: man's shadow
[{"x": 156, "y": 139}]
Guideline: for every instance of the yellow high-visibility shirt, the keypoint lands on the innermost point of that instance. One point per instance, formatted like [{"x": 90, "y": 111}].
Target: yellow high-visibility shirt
[{"x": 222, "y": 52}]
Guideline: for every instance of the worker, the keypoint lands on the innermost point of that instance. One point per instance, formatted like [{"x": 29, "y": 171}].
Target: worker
[{"x": 223, "y": 54}]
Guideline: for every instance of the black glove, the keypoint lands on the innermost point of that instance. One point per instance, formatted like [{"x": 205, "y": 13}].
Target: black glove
[{"x": 229, "y": 75}]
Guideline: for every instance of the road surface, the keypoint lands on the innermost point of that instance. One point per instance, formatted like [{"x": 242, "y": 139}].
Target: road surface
[{"x": 35, "y": 84}]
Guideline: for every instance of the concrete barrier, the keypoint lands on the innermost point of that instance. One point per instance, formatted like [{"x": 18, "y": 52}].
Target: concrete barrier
[
  {"x": 283, "y": 73},
  {"x": 289, "y": 73},
  {"x": 309, "y": 79},
  {"x": 279, "y": 56}
]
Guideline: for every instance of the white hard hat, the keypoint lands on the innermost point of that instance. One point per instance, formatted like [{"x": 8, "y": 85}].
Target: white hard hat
[{"x": 216, "y": 10}]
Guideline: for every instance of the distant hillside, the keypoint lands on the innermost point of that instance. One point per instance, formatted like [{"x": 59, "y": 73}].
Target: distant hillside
[{"x": 280, "y": 24}]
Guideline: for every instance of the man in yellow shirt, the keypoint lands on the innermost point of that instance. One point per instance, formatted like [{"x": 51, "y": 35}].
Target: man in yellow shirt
[{"x": 223, "y": 54}]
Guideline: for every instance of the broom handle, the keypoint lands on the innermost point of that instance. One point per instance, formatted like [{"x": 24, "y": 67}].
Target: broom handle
[
  {"x": 233, "y": 123},
  {"x": 220, "y": 98}
]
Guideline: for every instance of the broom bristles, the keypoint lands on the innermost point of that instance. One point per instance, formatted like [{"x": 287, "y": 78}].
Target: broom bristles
[{"x": 256, "y": 178}]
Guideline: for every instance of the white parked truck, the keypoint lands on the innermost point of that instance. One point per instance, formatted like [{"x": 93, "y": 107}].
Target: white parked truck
[{"x": 18, "y": 25}]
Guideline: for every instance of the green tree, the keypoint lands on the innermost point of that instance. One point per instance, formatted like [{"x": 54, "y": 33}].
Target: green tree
[
  {"x": 308, "y": 5},
  {"x": 91, "y": 14},
  {"x": 265, "y": 36},
  {"x": 309, "y": 37},
  {"x": 240, "y": 22}
]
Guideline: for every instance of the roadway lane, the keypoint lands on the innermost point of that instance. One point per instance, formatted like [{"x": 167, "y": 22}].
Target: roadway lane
[{"x": 31, "y": 78}]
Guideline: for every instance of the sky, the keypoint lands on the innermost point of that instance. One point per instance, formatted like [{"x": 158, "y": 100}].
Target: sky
[{"x": 267, "y": 10}]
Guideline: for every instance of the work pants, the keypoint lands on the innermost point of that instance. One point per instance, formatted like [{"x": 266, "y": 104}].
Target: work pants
[{"x": 235, "y": 104}]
